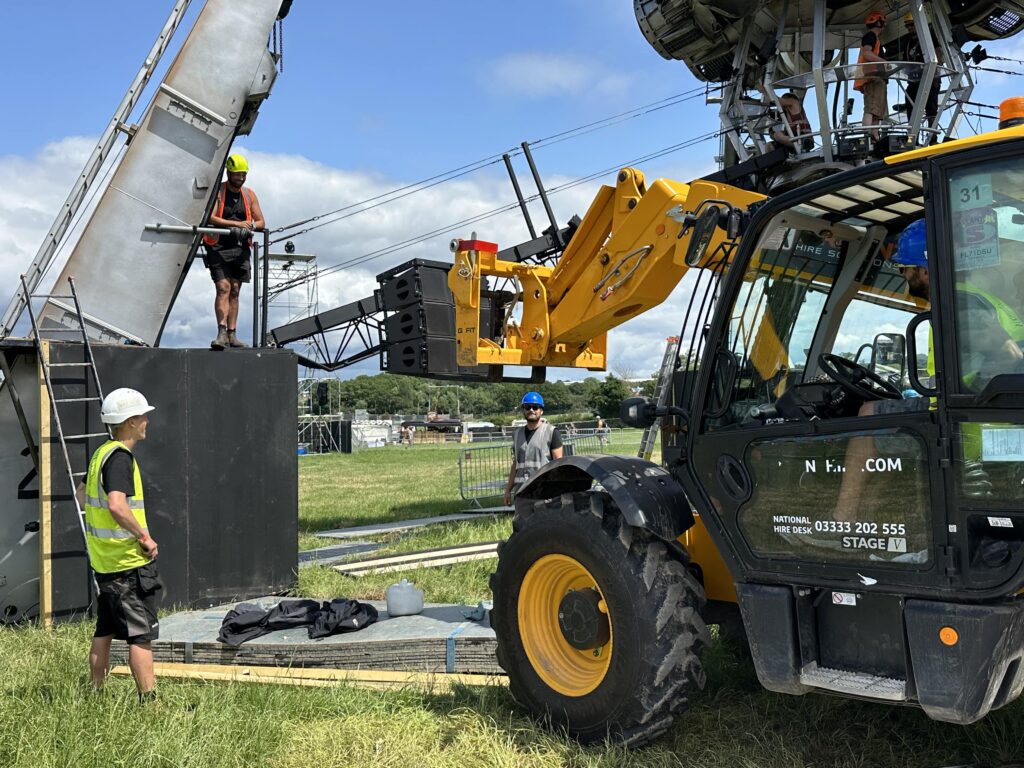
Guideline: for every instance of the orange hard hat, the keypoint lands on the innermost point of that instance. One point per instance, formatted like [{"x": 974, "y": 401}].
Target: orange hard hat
[{"x": 873, "y": 18}]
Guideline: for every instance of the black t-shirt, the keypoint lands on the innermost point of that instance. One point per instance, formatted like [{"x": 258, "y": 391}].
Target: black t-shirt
[
  {"x": 118, "y": 473},
  {"x": 869, "y": 39}
]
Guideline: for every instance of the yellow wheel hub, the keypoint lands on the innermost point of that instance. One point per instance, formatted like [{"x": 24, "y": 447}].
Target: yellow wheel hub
[{"x": 568, "y": 670}]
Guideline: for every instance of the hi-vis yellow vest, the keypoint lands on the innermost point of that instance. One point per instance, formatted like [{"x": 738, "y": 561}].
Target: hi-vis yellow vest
[{"x": 111, "y": 547}]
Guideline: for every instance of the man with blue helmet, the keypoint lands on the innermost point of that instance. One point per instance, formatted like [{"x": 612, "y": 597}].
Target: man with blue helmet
[
  {"x": 912, "y": 258},
  {"x": 533, "y": 445},
  {"x": 976, "y": 307}
]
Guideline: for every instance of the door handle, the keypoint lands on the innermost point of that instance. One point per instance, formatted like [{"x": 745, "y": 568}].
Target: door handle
[{"x": 734, "y": 478}]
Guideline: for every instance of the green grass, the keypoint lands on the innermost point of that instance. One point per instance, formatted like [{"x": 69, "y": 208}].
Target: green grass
[{"x": 49, "y": 717}]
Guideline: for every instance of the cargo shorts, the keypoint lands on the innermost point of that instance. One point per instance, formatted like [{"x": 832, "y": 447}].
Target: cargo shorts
[{"x": 126, "y": 604}]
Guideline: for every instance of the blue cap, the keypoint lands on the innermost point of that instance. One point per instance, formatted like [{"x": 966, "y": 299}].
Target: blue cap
[
  {"x": 533, "y": 398},
  {"x": 912, "y": 248}
]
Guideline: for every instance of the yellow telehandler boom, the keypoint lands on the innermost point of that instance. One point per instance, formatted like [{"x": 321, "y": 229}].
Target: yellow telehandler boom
[{"x": 625, "y": 258}]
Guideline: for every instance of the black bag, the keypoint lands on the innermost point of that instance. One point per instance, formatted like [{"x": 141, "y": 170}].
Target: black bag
[{"x": 342, "y": 615}]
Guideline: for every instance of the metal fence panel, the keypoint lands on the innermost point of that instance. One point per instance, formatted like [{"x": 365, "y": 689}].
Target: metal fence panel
[{"x": 483, "y": 470}]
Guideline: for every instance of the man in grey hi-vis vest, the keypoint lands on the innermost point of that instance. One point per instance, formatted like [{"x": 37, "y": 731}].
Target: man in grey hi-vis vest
[{"x": 533, "y": 446}]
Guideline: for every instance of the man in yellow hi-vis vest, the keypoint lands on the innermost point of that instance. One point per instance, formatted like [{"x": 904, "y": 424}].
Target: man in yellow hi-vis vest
[{"x": 121, "y": 551}]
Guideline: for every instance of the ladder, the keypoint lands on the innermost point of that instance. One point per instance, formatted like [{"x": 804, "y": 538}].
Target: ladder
[
  {"x": 55, "y": 402},
  {"x": 661, "y": 389},
  {"x": 86, "y": 179}
]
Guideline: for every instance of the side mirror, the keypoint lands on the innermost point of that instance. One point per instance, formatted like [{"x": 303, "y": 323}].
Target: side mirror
[
  {"x": 638, "y": 411},
  {"x": 701, "y": 234},
  {"x": 889, "y": 356},
  {"x": 913, "y": 355}
]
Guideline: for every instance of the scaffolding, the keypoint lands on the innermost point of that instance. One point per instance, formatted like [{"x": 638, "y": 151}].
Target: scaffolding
[{"x": 293, "y": 292}]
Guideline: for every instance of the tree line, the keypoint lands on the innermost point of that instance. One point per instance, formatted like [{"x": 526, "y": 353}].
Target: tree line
[{"x": 386, "y": 393}]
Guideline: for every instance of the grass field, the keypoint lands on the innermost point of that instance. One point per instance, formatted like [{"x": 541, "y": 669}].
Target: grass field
[{"x": 49, "y": 717}]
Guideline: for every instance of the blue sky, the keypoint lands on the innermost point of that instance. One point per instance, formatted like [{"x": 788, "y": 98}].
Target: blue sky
[
  {"x": 427, "y": 87},
  {"x": 373, "y": 96}
]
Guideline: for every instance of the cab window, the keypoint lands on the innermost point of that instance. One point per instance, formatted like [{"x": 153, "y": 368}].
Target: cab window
[
  {"x": 986, "y": 204},
  {"x": 820, "y": 285}
]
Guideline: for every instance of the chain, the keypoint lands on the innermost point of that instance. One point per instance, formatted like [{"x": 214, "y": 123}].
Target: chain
[{"x": 280, "y": 25}]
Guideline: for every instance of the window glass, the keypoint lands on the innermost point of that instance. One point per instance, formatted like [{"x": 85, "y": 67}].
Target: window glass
[
  {"x": 775, "y": 315},
  {"x": 986, "y": 204},
  {"x": 834, "y": 498}
]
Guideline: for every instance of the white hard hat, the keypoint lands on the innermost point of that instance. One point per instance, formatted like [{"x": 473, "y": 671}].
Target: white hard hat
[{"x": 121, "y": 404}]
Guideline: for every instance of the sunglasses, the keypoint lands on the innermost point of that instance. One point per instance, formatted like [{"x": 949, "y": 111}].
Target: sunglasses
[{"x": 532, "y": 408}]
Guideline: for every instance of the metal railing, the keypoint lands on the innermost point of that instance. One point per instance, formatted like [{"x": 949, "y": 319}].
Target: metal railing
[
  {"x": 260, "y": 266},
  {"x": 483, "y": 470}
]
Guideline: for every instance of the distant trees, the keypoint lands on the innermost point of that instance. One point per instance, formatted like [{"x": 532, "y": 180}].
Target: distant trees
[
  {"x": 609, "y": 394},
  {"x": 386, "y": 393}
]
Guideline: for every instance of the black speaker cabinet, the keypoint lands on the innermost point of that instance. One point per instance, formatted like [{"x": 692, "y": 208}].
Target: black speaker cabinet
[
  {"x": 431, "y": 319},
  {"x": 418, "y": 283},
  {"x": 428, "y": 318},
  {"x": 417, "y": 357}
]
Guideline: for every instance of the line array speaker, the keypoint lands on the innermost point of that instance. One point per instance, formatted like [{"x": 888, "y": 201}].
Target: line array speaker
[{"x": 418, "y": 283}]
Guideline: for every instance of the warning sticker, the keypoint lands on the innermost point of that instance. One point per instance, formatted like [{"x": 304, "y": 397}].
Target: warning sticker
[
  {"x": 844, "y": 598},
  {"x": 1000, "y": 522}
]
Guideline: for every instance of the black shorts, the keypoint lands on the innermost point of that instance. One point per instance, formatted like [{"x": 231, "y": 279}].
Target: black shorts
[
  {"x": 126, "y": 606},
  {"x": 235, "y": 268}
]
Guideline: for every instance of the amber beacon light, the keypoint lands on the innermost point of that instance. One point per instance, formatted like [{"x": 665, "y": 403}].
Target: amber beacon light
[{"x": 1011, "y": 112}]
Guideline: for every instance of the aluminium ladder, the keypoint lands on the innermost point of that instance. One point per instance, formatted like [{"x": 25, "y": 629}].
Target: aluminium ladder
[
  {"x": 55, "y": 402},
  {"x": 661, "y": 388}
]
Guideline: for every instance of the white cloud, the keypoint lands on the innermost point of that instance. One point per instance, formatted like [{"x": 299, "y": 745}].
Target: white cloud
[
  {"x": 291, "y": 188},
  {"x": 32, "y": 190},
  {"x": 542, "y": 75}
]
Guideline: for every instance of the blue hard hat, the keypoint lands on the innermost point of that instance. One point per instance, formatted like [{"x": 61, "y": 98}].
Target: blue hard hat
[
  {"x": 912, "y": 247},
  {"x": 533, "y": 398}
]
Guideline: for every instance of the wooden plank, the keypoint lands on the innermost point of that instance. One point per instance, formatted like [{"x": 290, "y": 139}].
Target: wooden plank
[
  {"x": 45, "y": 495},
  {"x": 317, "y": 677},
  {"x": 429, "y": 558},
  {"x": 454, "y": 560},
  {"x": 360, "y": 531},
  {"x": 427, "y": 554}
]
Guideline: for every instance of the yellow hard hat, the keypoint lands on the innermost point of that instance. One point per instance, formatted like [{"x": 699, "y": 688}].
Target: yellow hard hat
[
  {"x": 908, "y": 19},
  {"x": 237, "y": 164}
]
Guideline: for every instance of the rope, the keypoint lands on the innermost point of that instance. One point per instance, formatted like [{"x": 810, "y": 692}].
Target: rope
[
  {"x": 463, "y": 170},
  {"x": 1000, "y": 71},
  {"x": 416, "y": 240}
]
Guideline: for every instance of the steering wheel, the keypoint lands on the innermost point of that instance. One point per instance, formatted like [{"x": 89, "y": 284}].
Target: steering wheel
[{"x": 858, "y": 380}]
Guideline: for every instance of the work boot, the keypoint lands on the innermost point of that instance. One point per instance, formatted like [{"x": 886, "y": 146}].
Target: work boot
[
  {"x": 222, "y": 339},
  {"x": 234, "y": 341}
]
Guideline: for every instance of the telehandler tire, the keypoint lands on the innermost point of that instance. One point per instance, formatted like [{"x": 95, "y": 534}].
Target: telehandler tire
[{"x": 598, "y": 623}]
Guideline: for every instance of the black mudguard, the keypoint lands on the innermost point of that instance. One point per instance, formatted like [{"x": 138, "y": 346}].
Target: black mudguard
[{"x": 647, "y": 495}]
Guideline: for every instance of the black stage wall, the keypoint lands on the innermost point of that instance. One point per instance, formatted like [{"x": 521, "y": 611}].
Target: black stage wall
[{"x": 219, "y": 466}]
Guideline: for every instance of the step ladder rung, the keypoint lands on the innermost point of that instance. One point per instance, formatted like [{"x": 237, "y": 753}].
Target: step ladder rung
[
  {"x": 59, "y": 330},
  {"x": 52, "y": 296},
  {"x": 85, "y": 436},
  {"x": 79, "y": 474},
  {"x": 76, "y": 400},
  {"x": 69, "y": 365}
]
